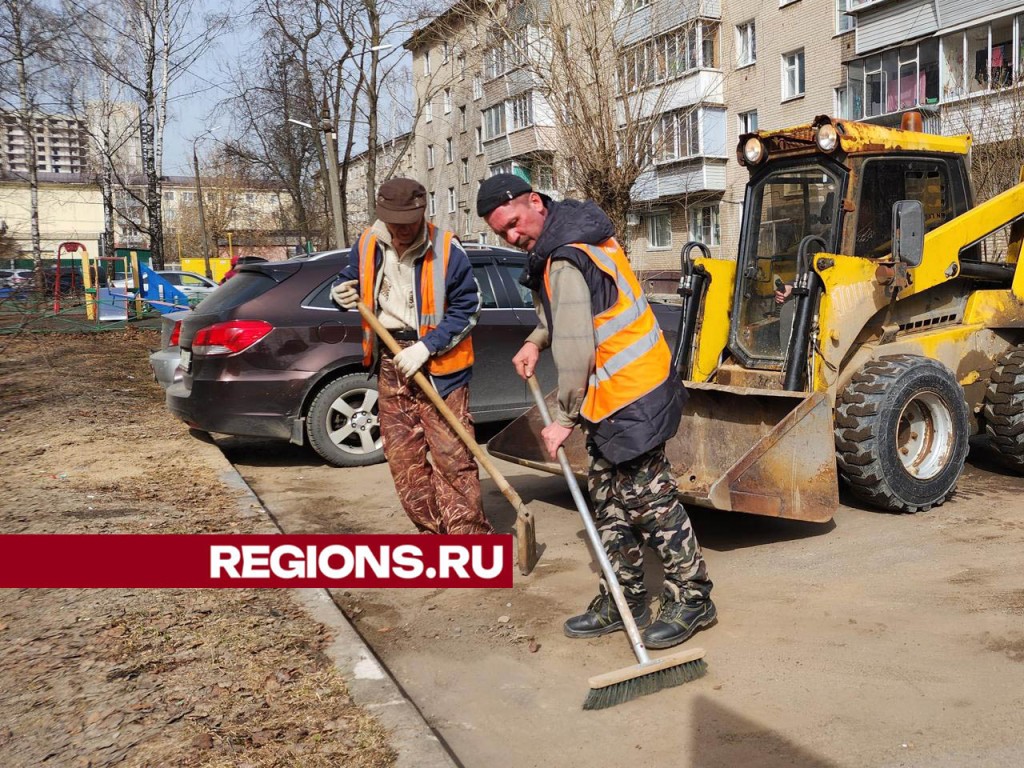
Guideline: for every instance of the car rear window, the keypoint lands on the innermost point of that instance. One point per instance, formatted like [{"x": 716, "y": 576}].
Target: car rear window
[{"x": 241, "y": 288}]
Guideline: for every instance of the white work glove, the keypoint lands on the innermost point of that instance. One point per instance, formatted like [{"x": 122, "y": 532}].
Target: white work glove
[
  {"x": 411, "y": 359},
  {"x": 346, "y": 295}
]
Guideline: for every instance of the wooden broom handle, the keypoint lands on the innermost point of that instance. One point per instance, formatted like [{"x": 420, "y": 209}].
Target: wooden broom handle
[{"x": 442, "y": 407}]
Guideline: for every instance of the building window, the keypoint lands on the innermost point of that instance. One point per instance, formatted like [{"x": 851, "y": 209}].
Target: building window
[
  {"x": 895, "y": 80},
  {"x": 460, "y": 64},
  {"x": 494, "y": 121},
  {"x": 748, "y": 121},
  {"x": 479, "y": 140},
  {"x": 522, "y": 111},
  {"x": 841, "y": 102},
  {"x": 844, "y": 23},
  {"x": 659, "y": 231},
  {"x": 478, "y": 87},
  {"x": 494, "y": 61},
  {"x": 676, "y": 135},
  {"x": 462, "y": 119},
  {"x": 451, "y": 199},
  {"x": 631, "y": 6},
  {"x": 445, "y": 52},
  {"x": 431, "y": 205},
  {"x": 746, "y": 44},
  {"x": 704, "y": 224},
  {"x": 169, "y": 196},
  {"x": 428, "y": 111},
  {"x": 447, "y": 100},
  {"x": 465, "y": 170},
  {"x": 426, "y": 62},
  {"x": 543, "y": 177},
  {"x": 430, "y": 155},
  {"x": 449, "y": 150},
  {"x": 669, "y": 56},
  {"x": 792, "y": 74}
]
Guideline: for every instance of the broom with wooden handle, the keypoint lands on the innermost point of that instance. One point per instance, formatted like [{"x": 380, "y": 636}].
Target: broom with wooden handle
[
  {"x": 649, "y": 675},
  {"x": 526, "y": 536}
]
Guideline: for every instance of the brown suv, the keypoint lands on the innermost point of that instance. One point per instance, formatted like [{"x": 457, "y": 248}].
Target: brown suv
[{"x": 268, "y": 355}]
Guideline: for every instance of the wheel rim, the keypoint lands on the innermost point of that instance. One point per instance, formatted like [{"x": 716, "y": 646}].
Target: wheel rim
[
  {"x": 924, "y": 436},
  {"x": 353, "y": 423}
]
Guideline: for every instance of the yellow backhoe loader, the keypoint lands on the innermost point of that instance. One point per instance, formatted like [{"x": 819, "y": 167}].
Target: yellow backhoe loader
[{"x": 872, "y": 321}]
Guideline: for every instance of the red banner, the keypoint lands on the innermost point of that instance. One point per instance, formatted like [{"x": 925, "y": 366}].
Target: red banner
[{"x": 363, "y": 561}]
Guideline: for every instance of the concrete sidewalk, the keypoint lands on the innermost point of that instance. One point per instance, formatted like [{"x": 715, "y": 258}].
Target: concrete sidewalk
[{"x": 369, "y": 683}]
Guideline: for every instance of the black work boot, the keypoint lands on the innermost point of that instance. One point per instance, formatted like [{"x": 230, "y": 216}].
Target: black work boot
[
  {"x": 678, "y": 621},
  {"x": 602, "y": 617}
]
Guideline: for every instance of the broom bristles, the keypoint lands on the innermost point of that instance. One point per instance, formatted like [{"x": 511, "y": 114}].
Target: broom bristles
[{"x": 641, "y": 684}]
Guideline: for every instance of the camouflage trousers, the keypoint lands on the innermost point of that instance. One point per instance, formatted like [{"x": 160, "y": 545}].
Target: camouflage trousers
[
  {"x": 440, "y": 494},
  {"x": 636, "y": 503}
]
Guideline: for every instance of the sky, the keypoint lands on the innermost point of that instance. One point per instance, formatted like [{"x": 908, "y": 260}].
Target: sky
[{"x": 194, "y": 109}]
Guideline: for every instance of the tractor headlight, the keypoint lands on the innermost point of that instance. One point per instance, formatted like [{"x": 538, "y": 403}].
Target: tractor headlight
[
  {"x": 827, "y": 137},
  {"x": 753, "y": 151}
]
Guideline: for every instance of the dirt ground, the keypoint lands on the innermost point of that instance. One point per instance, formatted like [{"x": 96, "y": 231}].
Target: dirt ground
[
  {"x": 875, "y": 640},
  {"x": 145, "y": 677}
]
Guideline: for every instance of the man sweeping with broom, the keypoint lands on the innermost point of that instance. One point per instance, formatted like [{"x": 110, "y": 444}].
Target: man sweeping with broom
[{"x": 615, "y": 379}]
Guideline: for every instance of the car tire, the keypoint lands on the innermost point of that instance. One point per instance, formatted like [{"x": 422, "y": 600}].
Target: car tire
[
  {"x": 1004, "y": 410},
  {"x": 901, "y": 430},
  {"x": 343, "y": 425}
]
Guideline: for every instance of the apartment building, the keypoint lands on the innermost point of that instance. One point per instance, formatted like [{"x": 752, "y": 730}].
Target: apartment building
[
  {"x": 702, "y": 73},
  {"x": 61, "y": 144},
  {"x": 66, "y": 144},
  {"x": 670, "y": 75},
  {"x": 395, "y": 157},
  {"x": 447, "y": 150},
  {"x": 783, "y": 64},
  {"x": 961, "y": 65}
]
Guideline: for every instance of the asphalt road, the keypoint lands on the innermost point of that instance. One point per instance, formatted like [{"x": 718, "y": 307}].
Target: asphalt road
[{"x": 874, "y": 640}]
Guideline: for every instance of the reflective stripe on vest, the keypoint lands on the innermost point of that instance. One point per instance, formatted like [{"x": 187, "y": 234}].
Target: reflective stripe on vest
[
  {"x": 430, "y": 303},
  {"x": 632, "y": 357}
]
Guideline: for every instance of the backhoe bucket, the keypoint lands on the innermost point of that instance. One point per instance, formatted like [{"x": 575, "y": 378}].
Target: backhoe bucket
[{"x": 759, "y": 451}]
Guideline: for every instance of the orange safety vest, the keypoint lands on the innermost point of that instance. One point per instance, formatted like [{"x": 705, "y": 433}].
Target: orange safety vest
[
  {"x": 431, "y": 281},
  {"x": 632, "y": 357}
]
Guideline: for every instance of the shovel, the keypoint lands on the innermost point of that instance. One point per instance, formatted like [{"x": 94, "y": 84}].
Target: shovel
[{"x": 526, "y": 537}]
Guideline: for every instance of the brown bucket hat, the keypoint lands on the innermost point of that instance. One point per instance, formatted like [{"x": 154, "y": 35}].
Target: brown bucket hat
[{"x": 401, "y": 201}]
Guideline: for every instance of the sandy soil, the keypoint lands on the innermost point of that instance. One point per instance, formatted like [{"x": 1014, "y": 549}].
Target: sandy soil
[
  {"x": 875, "y": 640},
  {"x": 137, "y": 677}
]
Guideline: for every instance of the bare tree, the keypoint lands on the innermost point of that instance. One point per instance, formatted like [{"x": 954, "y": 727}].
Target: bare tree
[
  {"x": 28, "y": 34},
  {"x": 145, "y": 47},
  {"x": 607, "y": 80}
]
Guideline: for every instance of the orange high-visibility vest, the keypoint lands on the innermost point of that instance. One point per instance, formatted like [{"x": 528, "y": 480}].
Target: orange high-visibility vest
[
  {"x": 431, "y": 304},
  {"x": 632, "y": 356}
]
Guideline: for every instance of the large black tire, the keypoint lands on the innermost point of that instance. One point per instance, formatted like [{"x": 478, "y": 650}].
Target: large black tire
[
  {"x": 902, "y": 431},
  {"x": 1004, "y": 409},
  {"x": 343, "y": 425}
]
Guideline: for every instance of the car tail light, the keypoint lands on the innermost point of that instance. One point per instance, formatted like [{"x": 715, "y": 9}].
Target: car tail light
[
  {"x": 229, "y": 338},
  {"x": 175, "y": 334}
]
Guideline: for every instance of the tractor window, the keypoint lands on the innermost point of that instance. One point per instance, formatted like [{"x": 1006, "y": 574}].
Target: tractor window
[
  {"x": 785, "y": 206},
  {"x": 884, "y": 181}
]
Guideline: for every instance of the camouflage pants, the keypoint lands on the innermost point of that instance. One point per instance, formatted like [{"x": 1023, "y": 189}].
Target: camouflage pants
[
  {"x": 636, "y": 503},
  {"x": 440, "y": 494}
]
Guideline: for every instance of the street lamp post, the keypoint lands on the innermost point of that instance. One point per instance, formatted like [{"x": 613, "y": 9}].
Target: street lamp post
[
  {"x": 199, "y": 198},
  {"x": 330, "y": 138},
  {"x": 202, "y": 215}
]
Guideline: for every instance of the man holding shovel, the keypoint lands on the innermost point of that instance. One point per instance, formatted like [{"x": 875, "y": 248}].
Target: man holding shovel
[
  {"x": 616, "y": 381},
  {"x": 418, "y": 281}
]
